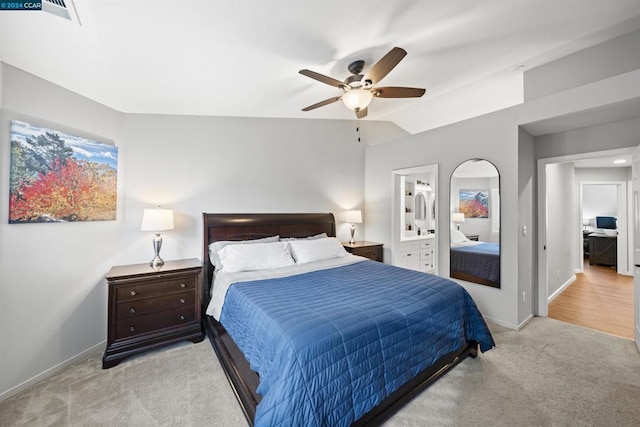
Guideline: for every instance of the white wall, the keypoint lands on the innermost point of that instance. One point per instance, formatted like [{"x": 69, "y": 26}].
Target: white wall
[
  {"x": 53, "y": 303},
  {"x": 599, "y": 200},
  {"x": 561, "y": 226}
]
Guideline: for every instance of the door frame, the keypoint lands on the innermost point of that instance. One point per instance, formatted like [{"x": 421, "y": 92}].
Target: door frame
[{"x": 542, "y": 288}]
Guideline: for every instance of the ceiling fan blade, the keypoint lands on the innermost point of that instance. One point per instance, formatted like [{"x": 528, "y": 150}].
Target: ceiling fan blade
[
  {"x": 322, "y": 103},
  {"x": 387, "y": 63},
  {"x": 361, "y": 113},
  {"x": 397, "y": 92},
  {"x": 322, "y": 78}
]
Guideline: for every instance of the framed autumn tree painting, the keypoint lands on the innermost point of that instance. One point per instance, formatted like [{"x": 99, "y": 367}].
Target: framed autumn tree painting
[
  {"x": 57, "y": 177},
  {"x": 474, "y": 203}
]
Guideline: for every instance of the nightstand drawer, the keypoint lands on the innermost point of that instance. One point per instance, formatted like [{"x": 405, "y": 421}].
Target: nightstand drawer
[
  {"x": 374, "y": 253},
  {"x": 152, "y": 289},
  {"x": 371, "y": 250},
  {"x": 141, "y": 307},
  {"x": 153, "y": 322}
]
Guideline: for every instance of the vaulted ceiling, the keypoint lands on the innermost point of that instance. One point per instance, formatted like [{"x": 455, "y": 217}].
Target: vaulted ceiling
[{"x": 241, "y": 58}]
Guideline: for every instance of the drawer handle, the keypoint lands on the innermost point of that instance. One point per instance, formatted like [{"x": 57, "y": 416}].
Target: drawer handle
[
  {"x": 182, "y": 285},
  {"x": 182, "y": 300},
  {"x": 131, "y": 328},
  {"x": 133, "y": 293},
  {"x": 408, "y": 254},
  {"x": 181, "y": 317},
  {"x": 132, "y": 310}
]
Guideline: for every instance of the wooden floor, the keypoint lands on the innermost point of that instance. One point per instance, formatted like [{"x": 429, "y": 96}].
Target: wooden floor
[{"x": 599, "y": 299}]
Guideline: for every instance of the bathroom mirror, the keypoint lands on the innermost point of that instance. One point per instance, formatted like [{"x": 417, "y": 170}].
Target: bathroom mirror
[
  {"x": 421, "y": 207},
  {"x": 475, "y": 223}
]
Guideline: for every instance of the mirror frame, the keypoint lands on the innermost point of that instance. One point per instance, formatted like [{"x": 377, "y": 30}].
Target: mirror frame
[{"x": 487, "y": 258}]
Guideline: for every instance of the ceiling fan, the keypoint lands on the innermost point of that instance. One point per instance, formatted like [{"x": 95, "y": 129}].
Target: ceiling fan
[{"x": 358, "y": 90}]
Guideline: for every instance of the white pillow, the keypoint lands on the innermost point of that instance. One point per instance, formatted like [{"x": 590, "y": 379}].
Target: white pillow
[
  {"x": 458, "y": 237},
  {"x": 317, "y": 236},
  {"x": 257, "y": 256},
  {"x": 304, "y": 251},
  {"x": 216, "y": 247}
]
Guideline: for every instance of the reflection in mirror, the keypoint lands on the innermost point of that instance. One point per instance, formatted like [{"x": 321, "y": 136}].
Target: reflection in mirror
[
  {"x": 475, "y": 223},
  {"x": 421, "y": 207}
]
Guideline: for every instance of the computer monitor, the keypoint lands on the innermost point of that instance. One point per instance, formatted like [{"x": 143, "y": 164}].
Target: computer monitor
[{"x": 606, "y": 222}]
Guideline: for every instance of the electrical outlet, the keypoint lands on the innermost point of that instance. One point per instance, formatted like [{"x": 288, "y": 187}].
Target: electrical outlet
[
  {"x": 558, "y": 274},
  {"x": 524, "y": 296}
]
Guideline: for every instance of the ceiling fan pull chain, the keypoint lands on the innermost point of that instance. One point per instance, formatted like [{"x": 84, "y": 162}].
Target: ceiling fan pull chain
[{"x": 358, "y": 128}]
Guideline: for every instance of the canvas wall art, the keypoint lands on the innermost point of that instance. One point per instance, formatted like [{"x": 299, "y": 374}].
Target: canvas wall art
[
  {"x": 57, "y": 177},
  {"x": 474, "y": 203}
]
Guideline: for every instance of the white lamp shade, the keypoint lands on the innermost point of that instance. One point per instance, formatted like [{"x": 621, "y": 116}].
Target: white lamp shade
[
  {"x": 357, "y": 99},
  {"x": 157, "y": 220},
  {"x": 353, "y": 216},
  {"x": 457, "y": 217}
]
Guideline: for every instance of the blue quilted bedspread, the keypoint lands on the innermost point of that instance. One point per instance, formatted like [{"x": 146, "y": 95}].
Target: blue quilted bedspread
[{"x": 354, "y": 335}]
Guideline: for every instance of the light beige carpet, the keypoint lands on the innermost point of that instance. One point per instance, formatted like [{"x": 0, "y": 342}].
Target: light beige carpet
[{"x": 549, "y": 374}]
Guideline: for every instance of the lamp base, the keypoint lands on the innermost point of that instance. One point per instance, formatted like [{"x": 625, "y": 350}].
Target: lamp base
[
  {"x": 156, "y": 262},
  {"x": 353, "y": 231}
]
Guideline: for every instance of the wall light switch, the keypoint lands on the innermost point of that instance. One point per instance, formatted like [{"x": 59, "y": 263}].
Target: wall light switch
[{"x": 524, "y": 231}]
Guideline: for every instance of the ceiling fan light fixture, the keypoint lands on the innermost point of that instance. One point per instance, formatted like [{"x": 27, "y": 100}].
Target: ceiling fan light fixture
[{"x": 357, "y": 99}]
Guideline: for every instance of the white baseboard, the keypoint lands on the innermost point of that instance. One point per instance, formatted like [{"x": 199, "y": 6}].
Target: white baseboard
[
  {"x": 51, "y": 371},
  {"x": 564, "y": 286},
  {"x": 501, "y": 323},
  {"x": 515, "y": 327},
  {"x": 525, "y": 321}
]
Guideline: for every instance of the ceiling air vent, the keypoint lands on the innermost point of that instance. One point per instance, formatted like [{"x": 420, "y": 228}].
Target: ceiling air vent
[{"x": 62, "y": 8}]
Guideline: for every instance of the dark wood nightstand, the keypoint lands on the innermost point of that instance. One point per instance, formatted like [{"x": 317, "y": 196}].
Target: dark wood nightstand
[
  {"x": 371, "y": 250},
  {"x": 150, "y": 308},
  {"x": 472, "y": 236}
]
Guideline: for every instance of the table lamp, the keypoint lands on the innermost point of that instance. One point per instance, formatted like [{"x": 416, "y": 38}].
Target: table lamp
[
  {"x": 457, "y": 217},
  {"x": 157, "y": 220},
  {"x": 353, "y": 216}
]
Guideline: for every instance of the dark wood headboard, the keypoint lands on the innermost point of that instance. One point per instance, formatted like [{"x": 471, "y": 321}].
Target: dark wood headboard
[{"x": 255, "y": 226}]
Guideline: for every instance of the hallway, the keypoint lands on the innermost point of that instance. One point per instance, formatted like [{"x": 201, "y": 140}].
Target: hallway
[{"x": 599, "y": 299}]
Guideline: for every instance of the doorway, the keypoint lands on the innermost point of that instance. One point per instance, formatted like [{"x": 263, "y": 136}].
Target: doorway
[{"x": 560, "y": 223}]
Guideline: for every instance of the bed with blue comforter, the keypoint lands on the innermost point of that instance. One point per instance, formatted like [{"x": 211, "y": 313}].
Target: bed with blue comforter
[
  {"x": 330, "y": 345},
  {"x": 327, "y": 344}
]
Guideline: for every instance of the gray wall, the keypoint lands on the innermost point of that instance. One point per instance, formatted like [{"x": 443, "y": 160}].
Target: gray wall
[
  {"x": 53, "y": 304},
  {"x": 497, "y": 138},
  {"x": 613, "y": 57},
  {"x": 526, "y": 217},
  {"x": 493, "y": 137},
  {"x": 610, "y": 136}
]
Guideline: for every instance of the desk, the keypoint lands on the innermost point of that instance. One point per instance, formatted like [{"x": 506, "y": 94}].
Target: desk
[{"x": 603, "y": 249}]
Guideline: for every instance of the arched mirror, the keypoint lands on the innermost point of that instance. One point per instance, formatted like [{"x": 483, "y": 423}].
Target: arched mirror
[{"x": 475, "y": 223}]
